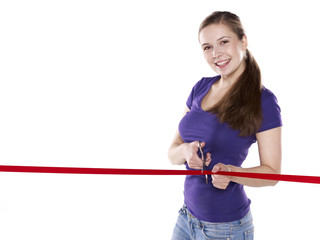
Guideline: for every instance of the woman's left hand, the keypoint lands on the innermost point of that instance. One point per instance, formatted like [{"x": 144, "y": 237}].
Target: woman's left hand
[{"x": 220, "y": 181}]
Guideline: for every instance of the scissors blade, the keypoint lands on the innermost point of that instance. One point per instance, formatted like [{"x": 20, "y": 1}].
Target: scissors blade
[
  {"x": 203, "y": 161},
  {"x": 202, "y": 157}
]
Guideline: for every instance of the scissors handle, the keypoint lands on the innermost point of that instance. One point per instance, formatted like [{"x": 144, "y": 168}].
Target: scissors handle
[{"x": 203, "y": 160}]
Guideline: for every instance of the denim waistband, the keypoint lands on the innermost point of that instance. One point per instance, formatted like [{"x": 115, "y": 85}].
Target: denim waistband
[{"x": 246, "y": 219}]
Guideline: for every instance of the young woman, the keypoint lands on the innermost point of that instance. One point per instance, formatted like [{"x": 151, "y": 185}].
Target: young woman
[{"x": 225, "y": 114}]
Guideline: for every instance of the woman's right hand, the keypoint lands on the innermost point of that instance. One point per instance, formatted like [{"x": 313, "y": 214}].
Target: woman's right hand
[{"x": 190, "y": 151}]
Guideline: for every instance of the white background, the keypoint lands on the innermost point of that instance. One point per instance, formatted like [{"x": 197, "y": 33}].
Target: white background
[{"x": 104, "y": 84}]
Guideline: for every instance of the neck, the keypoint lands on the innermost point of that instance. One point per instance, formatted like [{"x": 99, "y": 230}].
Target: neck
[{"x": 228, "y": 80}]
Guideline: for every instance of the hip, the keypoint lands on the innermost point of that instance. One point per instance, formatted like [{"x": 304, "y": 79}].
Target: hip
[{"x": 241, "y": 229}]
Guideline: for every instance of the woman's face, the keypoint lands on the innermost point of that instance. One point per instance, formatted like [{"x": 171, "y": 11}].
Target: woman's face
[{"x": 223, "y": 50}]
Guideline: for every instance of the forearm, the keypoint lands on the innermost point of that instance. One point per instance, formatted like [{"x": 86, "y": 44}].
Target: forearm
[
  {"x": 252, "y": 182},
  {"x": 175, "y": 154}
]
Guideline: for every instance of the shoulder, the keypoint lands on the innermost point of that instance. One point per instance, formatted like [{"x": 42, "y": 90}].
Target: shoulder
[
  {"x": 265, "y": 92},
  {"x": 271, "y": 111},
  {"x": 268, "y": 97}
]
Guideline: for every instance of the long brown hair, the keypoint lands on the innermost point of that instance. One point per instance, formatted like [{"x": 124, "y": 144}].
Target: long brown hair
[{"x": 241, "y": 105}]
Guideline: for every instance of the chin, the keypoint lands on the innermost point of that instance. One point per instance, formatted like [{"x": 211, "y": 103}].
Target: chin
[{"x": 223, "y": 72}]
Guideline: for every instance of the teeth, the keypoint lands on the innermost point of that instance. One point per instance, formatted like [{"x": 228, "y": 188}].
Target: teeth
[{"x": 222, "y": 63}]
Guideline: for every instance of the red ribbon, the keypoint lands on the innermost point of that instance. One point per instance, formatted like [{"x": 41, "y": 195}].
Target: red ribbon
[{"x": 121, "y": 171}]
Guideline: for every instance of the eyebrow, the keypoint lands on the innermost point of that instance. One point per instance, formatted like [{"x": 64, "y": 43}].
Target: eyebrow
[{"x": 217, "y": 40}]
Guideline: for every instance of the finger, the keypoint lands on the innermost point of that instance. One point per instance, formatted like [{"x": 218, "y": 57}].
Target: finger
[
  {"x": 220, "y": 179},
  {"x": 216, "y": 168},
  {"x": 220, "y": 185},
  {"x": 193, "y": 159},
  {"x": 200, "y": 144},
  {"x": 195, "y": 162},
  {"x": 208, "y": 159},
  {"x": 223, "y": 185},
  {"x": 194, "y": 165},
  {"x": 198, "y": 160},
  {"x": 196, "y": 144}
]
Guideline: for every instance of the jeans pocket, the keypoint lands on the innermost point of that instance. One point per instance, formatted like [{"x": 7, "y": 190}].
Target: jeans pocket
[
  {"x": 215, "y": 234},
  {"x": 249, "y": 234}
]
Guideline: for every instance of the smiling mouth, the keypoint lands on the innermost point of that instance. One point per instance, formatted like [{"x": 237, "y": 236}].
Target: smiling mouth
[{"x": 222, "y": 63}]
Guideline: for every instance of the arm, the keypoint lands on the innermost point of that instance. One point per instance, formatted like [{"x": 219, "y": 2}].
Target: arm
[
  {"x": 180, "y": 152},
  {"x": 269, "y": 145}
]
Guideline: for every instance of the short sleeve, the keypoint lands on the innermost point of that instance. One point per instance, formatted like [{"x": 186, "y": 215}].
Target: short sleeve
[
  {"x": 271, "y": 111},
  {"x": 190, "y": 98},
  {"x": 195, "y": 91},
  {"x": 200, "y": 87}
]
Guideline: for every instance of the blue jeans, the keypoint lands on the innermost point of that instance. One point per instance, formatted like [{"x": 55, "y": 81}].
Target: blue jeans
[{"x": 190, "y": 228}]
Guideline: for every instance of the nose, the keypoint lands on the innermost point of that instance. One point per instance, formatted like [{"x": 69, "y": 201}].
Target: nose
[{"x": 216, "y": 52}]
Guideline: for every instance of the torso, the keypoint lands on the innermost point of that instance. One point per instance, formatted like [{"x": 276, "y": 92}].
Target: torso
[{"x": 225, "y": 145}]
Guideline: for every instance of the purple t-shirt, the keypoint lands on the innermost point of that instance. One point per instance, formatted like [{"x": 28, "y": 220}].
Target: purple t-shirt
[{"x": 204, "y": 201}]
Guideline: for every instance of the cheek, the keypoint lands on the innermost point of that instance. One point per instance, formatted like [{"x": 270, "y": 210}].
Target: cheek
[
  {"x": 208, "y": 58},
  {"x": 237, "y": 53}
]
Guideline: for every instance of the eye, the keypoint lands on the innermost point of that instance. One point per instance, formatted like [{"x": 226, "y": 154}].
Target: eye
[
  {"x": 206, "y": 48},
  {"x": 224, "y": 42}
]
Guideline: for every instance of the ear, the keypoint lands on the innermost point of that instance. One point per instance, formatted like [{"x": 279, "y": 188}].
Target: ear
[{"x": 244, "y": 42}]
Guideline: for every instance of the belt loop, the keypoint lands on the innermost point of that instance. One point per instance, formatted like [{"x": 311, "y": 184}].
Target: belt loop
[
  {"x": 184, "y": 208},
  {"x": 201, "y": 225}
]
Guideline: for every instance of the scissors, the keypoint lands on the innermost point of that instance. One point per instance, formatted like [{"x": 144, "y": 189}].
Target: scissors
[{"x": 203, "y": 161}]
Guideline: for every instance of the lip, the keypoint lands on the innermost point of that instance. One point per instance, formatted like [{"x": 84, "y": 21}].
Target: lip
[{"x": 222, "y": 66}]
